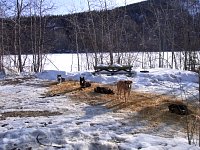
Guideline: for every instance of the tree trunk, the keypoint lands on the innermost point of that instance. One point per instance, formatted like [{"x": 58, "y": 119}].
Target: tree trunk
[
  {"x": 18, "y": 34},
  {"x": 94, "y": 36}
]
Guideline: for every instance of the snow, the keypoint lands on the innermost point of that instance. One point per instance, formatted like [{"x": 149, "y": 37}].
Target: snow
[
  {"x": 85, "y": 127},
  {"x": 160, "y": 80}
]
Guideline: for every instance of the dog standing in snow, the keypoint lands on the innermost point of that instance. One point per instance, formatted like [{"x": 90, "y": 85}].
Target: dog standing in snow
[{"x": 125, "y": 87}]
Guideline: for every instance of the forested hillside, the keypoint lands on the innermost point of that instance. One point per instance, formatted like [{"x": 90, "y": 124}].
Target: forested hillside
[{"x": 153, "y": 25}]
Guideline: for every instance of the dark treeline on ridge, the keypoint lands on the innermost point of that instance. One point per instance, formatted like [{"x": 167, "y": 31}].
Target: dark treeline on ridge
[{"x": 153, "y": 25}]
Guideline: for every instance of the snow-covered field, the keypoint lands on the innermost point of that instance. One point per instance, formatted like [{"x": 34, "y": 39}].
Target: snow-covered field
[
  {"x": 75, "y": 125},
  {"x": 69, "y": 62}
]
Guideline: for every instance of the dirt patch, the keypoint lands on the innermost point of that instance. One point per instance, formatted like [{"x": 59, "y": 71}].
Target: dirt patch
[
  {"x": 150, "y": 107},
  {"x": 28, "y": 114},
  {"x": 15, "y": 81}
]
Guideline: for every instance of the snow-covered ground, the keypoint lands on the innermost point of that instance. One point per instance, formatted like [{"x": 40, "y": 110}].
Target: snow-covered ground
[{"x": 75, "y": 125}]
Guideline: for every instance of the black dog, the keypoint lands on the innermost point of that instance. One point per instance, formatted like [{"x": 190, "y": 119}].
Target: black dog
[
  {"x": 84, "y": 83},
  {"x": 60, "y": 79},
  {"x": 103, "y": 90},
  {"x": 179, "y": 109}
]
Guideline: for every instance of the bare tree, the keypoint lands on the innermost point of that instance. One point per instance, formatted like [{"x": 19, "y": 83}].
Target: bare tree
[
  {"x": 92, "y": 33},
  {"x": 20, "y": 6},
  {"x": 38, "y": 8},
  {"x": 2, "y": 14},
  {"x": 74, "y": 21}
]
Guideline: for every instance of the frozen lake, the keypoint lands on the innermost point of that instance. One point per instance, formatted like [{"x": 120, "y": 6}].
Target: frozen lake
[{"x": 69, "y": 62}]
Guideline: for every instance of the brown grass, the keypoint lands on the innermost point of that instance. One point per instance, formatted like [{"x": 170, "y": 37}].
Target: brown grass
[{"x": 151, "y": 107}]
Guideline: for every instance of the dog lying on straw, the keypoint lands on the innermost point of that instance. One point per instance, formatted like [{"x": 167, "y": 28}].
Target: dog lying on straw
[{"x": 125, "y": 87}]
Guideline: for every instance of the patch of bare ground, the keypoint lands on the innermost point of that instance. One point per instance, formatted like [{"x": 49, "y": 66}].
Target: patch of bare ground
[
  {"x": 19, "y": 80},
  {"x": 14, "y": 81},
  {"x": 27, "y": 114},
  {"x": 150, "y": 107}
]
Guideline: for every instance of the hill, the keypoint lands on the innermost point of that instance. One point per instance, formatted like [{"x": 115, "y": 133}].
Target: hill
[{"x": 153, "y": 25}]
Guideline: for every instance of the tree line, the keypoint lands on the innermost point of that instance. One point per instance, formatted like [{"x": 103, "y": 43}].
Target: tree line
[{"x": 149, "y": 26}]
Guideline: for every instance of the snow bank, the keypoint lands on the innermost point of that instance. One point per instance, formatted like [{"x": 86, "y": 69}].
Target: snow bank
[
  {"x": 160, "y": 74},
  {"x": 159, "y": 80},
  {"x": 172, "y": 75},
  {"x": 50, "y": 74}
]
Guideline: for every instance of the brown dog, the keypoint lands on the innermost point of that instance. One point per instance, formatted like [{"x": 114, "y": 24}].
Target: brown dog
[{"x": 124, "y": 86}]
